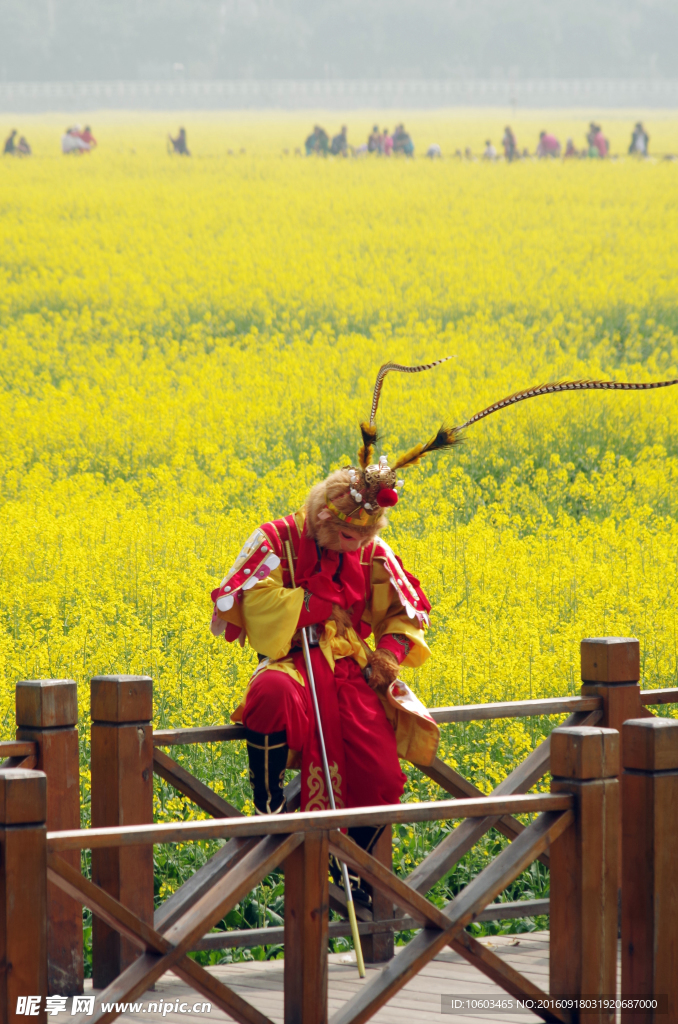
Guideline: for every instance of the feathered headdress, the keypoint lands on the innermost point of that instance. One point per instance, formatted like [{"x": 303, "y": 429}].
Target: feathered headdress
[{"x": 374, "y": 485}]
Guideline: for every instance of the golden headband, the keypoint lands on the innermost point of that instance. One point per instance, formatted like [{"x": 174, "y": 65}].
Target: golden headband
[{"x": 358, "y": 518}]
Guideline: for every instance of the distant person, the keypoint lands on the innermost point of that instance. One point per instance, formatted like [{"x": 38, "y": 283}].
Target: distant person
[
  {"x": 180, "y": 145},
  {"x": 387, "y": 143},
  {"x": 318, "y": 142},
  {"x": 87, "y": 137},
  {"x": 434, "y": 152},
  {"x": 374, "y": 142},
  {"x": 71, "y": 142},
  {"x": 510, "y": 145},
  {"x": 548, "y": 145},
  {"x": 640, "y": 141},
  {"x": 468, "y": 154},
  {"x": 570, "y": 150},
  {"x": 598, "y": 144},
  {"x": 402, "y": 142},
  {"x": 10, "y": 144},
  {"x": 22, "y": 147},
  {"x": 339, "y": 145},
  {"x": 489, "y": 153}
]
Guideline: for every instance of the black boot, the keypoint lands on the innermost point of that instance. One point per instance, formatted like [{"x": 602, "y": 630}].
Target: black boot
[
  {"x": 267, "y": 753},
  {"x": 365, "y": 836}
]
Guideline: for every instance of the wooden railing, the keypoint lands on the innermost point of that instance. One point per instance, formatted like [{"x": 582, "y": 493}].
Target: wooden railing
[{"x": 126, "y": 751}]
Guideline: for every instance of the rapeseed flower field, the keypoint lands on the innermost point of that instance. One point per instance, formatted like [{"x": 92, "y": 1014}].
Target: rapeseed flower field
[{"x": 187, "y": 345}]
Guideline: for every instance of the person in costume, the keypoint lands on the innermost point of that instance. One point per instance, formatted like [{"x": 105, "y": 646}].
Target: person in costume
[{"x": 326, "y": 568}]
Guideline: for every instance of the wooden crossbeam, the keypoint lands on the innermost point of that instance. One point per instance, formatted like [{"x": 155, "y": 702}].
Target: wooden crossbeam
[
  {"x": 514, "y": 709},
  {"x": 292, "y": 793},
  {"x": 203, "y": 734},
  {"x": 338, "y": 903},
  {"x": 115, "y": 914},
  {"x": 219, "y": 864},
  {"x": 168, "y": 951},
  {"x": 443, "y": 925},
  {"x": 512, "y": 981},
  {"x": 19, "y": 754},
  {"x": 271, "y": 936},
  {"x": 667, "y": 696},
  {"x": 17, "y": 748},
  {"x": 193, "y": 788},
  {"x": 446, "y": 854},
  {"x": 28, "y": 761},
  {"x": 455, "y": 784},
  {"x": 308, "y": 821},
  {"x": 105, "y": 906}
]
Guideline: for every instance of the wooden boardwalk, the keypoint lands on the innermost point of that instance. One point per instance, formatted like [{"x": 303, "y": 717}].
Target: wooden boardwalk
[{"x": 418, "y": 1003}]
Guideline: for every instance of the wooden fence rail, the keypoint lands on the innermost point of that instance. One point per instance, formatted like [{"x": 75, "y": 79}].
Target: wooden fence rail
[{"x": 125, "y": 752}]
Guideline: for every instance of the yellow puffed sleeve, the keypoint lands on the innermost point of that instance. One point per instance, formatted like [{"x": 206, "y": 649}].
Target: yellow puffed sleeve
[
  {"x": 387, "y": 615},
  {"x": 270, "y": 613}
]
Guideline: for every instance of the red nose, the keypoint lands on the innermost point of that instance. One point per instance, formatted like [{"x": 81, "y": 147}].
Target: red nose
[{"x": 387, "y": 497}]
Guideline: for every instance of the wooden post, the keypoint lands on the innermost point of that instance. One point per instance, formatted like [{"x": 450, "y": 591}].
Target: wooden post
[
  {"x": 650, "y": 842},
  {"x": 122, "y": 794},
  {"x": 610, "y": 668},
  {"x": 23, "y": 892},
  {"x": 307, "y": 904},
  {"x": 584, "y": 864},
  {"x": 47, "y": 714},
  {"x": 378, "y": 947}
]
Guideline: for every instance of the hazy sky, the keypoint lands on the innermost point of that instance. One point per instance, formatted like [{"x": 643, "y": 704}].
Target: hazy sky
[{"x": 95, "y": 39}]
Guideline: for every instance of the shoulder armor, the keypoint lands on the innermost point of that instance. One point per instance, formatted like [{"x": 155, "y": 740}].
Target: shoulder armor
[
  {"x": 411, "y": 598},
  {"x": 256, "y": 561}
]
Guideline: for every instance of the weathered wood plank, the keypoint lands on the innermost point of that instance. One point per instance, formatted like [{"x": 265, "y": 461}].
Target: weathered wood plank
[
  {"x": 193, "y": 788},
  {"x": 437, "y": 810}
]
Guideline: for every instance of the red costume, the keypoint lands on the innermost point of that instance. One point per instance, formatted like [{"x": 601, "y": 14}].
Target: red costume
[{"x": 364, "y": 732}]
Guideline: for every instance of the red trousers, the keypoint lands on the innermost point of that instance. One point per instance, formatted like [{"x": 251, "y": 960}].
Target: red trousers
[{"x": 360, "y": 741}]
